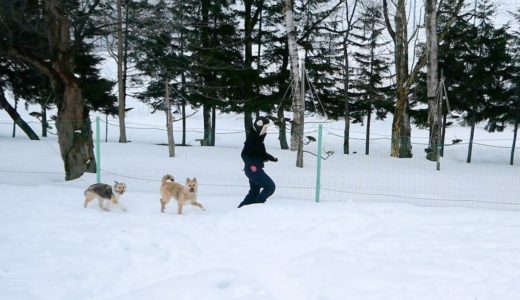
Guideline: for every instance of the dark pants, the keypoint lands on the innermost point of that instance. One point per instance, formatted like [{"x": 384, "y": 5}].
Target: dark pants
[{"x": 258, "y": 180}]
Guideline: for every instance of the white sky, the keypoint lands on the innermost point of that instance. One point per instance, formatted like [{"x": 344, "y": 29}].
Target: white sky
[{"x": 505, "y": 7}]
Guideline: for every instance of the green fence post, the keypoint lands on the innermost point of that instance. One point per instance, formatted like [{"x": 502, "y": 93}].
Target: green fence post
[
  {"x": 318, "y": 163},
  {"x": 98, "y": 152}
]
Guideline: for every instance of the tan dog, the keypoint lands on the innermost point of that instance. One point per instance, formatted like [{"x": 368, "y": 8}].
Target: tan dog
[
  {"x": 183, "y": 194},
  {"x": 103, "y": 192}
]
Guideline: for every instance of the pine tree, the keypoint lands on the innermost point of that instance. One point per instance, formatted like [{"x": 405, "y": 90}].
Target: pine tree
[
  {"x": 275, "y": 79},
  {"x": 22, "y": 81},
  {"x": 511, "y": 112},
  {"x": 216, "y": 61},
  {"x": 486, "y": 66},
  {"x": 319, "y": 39},
  {"x": 372, "y": 68},
  {"x": 453, "y": 46}
]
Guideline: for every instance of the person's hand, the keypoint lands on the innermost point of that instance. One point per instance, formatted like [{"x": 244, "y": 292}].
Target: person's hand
[{"x": 253, "y": 168}]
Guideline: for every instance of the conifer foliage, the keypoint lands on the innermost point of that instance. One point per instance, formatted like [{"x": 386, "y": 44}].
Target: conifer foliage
[{"x": 233, "y": 57}]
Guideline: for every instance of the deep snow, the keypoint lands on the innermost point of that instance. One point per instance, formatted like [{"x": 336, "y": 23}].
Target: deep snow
[{"x": 350, "y": 246}]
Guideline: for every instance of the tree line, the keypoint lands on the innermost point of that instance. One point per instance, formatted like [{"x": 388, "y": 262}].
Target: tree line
[{"x": 350, "y": 60}]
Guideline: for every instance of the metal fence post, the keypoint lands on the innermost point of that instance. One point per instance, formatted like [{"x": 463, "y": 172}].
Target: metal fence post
[
  {"x": 98, "y": 152},
  {"x": 318, "y": 163}
]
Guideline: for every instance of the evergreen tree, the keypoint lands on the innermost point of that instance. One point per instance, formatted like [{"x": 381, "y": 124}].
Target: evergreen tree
[
  {"x": 486, "y": 64},
  {"x": 511, "y": 111},
  {"x": 372, "y": 68},
  {"x": 318, "y": 39},
  {"x": 475, "y": 64},
  {"x": 158, "y": 50},
  {"x": 51, "y": 36},
  {"x": 276, "y": 78},
  {"x": 22, "y": 82},
  {"x": 193, "y": 45},
  {"x": 251, "y": 15},
  {"x": 216, "y": 61}
]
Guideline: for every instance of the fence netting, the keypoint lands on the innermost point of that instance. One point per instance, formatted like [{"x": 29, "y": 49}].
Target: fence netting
[{"x": 488, "y": 182}]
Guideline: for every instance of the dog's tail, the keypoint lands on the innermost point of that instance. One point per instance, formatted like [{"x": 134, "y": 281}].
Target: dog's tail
[{"x": 167, "y": 178}]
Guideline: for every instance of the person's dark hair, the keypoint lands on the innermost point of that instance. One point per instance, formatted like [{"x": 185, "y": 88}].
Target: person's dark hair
[{"x": 260, "y": 122}]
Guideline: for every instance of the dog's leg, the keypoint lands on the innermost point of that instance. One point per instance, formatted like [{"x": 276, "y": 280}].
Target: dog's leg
[
  {"x": 88, "y": 198},
  {"x": 101, "y": 204},
  {"x": 179, "y": 207},
  {"x": 163, "y": 205},
  {"x": 116, "y": 203},
  {"x": 121, "y": 207},
  {"x": 197, "y": 204}
]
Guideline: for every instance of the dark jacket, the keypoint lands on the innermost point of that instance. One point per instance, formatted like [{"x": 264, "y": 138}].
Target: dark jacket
[{"x": 254, "y": 152}]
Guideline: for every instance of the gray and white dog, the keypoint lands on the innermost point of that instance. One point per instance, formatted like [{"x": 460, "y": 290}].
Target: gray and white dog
[{"x": 104, "y": 193}]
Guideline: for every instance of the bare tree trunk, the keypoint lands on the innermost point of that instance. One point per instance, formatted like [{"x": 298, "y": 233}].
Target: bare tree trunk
[
  {"x": 169, "y": 121},
  {"x": 471, "y": 135},
  {"x": 299, "y": 155},
  {"x": 206, "y": 115},
  {"x": 367, "y": 138},
  {"x": 443, "y": 138},
  {"x": 282, "y": 135},
  {"x": 349, "y": 16},
  {"x": 282, "y": 128},
  {"x": 16, "y": 112},
  {"x": 213, "y": 125},
  {"x": 248, "y": 122},
  {"x": 401, "y": 129},
  {"x": 17, "y": 119},
  {"x": 401, "y": 132},
  {"x": 183, "y": 108},
  {"x": 120, "y": 77},
  {"x": 183, "y": 82},
  {"x": 75, "y": 133},
  {"x": 73, "y": 124},
  {"x": 248, "y": 59},
  {"x": 369, "y": 109},
  {"x": 45, "y": 122},
  {"x": 297, "y": 104},
  {"x": 346, "y": 135},
  {"x": 401, "y": 145},
  {"x": 515, "y": 134},
  {"x": 432, "y": 46}
]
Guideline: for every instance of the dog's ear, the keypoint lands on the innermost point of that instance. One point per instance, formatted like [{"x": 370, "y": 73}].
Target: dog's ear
[
  {"x": 187, "y": 179},
  {"x": 195, "y": 179},
  {"x": 116, "y": 182}
]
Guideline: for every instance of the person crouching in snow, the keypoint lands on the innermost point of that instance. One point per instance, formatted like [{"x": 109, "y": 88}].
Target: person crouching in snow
[{"x": 254, "y": 155}]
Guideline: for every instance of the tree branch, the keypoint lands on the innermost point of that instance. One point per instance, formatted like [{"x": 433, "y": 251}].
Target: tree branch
[
  {"x": 86, "y": 16},
  {"x": 420, "y": 64},
  {"x": 350, "y": 18},
  {"x": 256, "y": 16},
  {"x": 31, "y": 59},
  {"x": 315, "y": 24},
  {"x": 387, "y": 21},
  {"x": 451, "y": 20},
  {"x": 423, "y": 58}
]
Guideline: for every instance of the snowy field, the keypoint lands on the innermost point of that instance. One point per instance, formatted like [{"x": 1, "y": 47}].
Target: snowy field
[
  {"x": 386, "y": 229},
  {"x": 349, "y": 246}
]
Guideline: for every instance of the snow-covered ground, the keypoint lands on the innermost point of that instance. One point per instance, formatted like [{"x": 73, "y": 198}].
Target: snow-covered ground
[
  {"x": 349, "y": 246},
  {"x": 386, "y": 228},
  {"x": 52, "y": 248}
]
